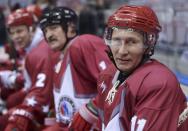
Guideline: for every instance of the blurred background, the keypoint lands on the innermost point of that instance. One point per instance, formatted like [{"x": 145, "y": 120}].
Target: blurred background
[{"x": 172, "y": 47}]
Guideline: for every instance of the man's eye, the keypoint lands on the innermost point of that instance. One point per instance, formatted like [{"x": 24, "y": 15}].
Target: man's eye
[
  {"x": 53, "y": 27},
  {"x": 116, "y": 40},
  {"x": 130, "y": 41},
  {"x": 19, "y": 31}
]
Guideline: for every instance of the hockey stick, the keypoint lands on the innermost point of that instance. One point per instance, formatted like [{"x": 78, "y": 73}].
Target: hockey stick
[{"x": 183, "y": 116}]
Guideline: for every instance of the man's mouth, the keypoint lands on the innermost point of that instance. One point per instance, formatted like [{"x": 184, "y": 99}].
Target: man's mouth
[
  {"x": 52, "y": 40},
  {"x": 123, "y": 61}
]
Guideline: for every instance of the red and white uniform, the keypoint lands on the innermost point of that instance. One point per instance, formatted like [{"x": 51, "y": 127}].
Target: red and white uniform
[
  {"x": 12, "y": 80},
  {"x": 39, "y": 75},
  {"x": 76, "y": 75},
  {"x": 150, "y": 99},
  {"x": 19, "y": 63},
  {"x": 38, "y": 83}
]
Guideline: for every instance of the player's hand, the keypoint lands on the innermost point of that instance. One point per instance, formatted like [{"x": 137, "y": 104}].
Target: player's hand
[
  {"x": 79, "y": 123},
  {"x": 21, "y": 120},
  {"x": 18, "y": 123},
  {"x": 85, "y": 119}
]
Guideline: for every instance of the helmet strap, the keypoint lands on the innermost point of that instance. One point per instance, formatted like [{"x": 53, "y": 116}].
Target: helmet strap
[
  {"x": 67, "y": 41},
  {"x": 110, "y": 55}
]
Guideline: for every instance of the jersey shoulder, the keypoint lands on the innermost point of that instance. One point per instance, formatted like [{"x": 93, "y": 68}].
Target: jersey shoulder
[
  {"x": 88, "y": 43},
  {"x": 155, "y": 81}
]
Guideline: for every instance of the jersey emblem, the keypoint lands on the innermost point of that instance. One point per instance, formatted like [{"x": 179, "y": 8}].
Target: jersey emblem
[
  {"x": 102, "y": 65},
  {"x": 58, "y": 67},
  {"x": 102, "y": 86},
  {"x": 112, "y": 93},
  {"x": 66, "y": 109},
  {"x": 31, "y": 101}
]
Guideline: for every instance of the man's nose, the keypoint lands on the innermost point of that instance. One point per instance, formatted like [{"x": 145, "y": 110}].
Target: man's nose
[{"x": 123, "y": 49}]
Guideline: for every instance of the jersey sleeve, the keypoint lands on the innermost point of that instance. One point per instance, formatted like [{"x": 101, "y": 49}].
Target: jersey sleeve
[
  {"x": 88, "y": 59},
  {"x": 158, "y": 106},
  {"x": 90, "y": 56},
  {"x": 38, "y": 73}
]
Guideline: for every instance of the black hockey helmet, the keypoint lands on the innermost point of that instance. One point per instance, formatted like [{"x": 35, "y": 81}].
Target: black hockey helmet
[{"x": 58, "y": 15}]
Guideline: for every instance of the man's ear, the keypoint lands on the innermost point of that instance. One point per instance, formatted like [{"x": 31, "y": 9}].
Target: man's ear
[
  {"x": 31, "y": 29},
  {"x": 149, "y": 50}
]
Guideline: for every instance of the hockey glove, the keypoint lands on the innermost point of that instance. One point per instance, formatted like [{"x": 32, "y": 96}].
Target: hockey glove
[
  {"x": 21, "y": 120},
  {"x": 85, "y": 119}
]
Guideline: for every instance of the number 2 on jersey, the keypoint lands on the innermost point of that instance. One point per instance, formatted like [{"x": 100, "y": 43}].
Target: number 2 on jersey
[{"x": 40, "y": 80}]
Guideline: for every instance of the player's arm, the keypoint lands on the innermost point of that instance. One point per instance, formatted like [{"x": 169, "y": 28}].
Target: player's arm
[
  {"x": 159, "y": 107},
  {"x": 36, "y": 103}
]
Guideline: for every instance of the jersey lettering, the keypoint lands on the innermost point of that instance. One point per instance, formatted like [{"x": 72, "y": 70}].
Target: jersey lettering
[
  {"x": 140, "y": 122},
  {"x": 40, "y": 80}
]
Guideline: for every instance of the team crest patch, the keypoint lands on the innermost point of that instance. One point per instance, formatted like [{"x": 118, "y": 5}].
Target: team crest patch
[{"x": 66, "y": 109}]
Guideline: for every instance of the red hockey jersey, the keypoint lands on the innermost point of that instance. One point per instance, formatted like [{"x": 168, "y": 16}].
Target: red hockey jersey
[
  {"x": 76, "y": 74},
  {"x": 39, "y": 77},
  {"x": 150, "y": 99}
]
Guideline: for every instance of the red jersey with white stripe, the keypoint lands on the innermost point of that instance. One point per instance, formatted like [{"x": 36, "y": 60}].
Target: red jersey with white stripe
[{"x": 76, "y": 74}]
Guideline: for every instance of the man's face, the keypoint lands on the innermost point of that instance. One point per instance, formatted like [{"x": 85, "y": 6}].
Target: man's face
[
  {"x": 55, "y": 37},
  {"x": 127, "y": 49},
  {"x": 20, "y": 35}
]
